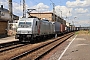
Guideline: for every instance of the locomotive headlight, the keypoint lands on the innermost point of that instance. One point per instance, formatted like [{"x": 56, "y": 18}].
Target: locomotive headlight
[
  {"x": 28, "y": 35},
  {"x": 29, "y": 32}
]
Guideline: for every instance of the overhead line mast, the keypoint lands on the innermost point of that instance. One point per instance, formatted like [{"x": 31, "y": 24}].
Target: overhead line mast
[
  {"x": 24, "y": 9},
  {"x": 53, "y": 6},
  {"x": 53, "y": 10}
]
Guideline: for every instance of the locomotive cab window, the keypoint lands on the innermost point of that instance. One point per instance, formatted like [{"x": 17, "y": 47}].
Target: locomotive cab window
[{"x": 28, "y": 24}]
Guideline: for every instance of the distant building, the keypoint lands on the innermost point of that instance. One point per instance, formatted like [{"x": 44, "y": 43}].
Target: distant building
[
  {"x": 4, "y": 18},
  {"x": 50, "y": 16},
  {"x": 4, "y": 14}
]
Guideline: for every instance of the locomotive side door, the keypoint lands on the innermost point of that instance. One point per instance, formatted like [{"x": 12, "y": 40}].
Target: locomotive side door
[{"x": 36, "y": 26}]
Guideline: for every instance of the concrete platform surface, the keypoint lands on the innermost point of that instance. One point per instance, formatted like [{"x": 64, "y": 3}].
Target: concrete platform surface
[
  {"x": 78, "y": 49},
  {"x": 8, "y": 39}
]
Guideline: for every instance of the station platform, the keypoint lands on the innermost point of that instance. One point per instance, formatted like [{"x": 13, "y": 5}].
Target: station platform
[
  {"x": 75, "y": 48},
  {"x": 7, "y": 39}
]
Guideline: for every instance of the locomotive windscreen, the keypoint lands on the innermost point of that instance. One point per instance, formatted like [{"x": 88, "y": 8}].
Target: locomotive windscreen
[{"x": 24, "y": 24}]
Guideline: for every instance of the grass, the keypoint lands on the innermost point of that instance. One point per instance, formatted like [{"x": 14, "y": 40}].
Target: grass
[
  {"x": 83, "y": 32},
  {"x": 77, "y": 32},
  {"x": 89, "y": 31}
]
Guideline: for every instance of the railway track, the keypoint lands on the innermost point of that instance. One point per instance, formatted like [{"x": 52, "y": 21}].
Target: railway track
[
  {"x": 33, "y": 51},
  {"x": 11, "y": 47},
  {"x": 4, "y": 45}
]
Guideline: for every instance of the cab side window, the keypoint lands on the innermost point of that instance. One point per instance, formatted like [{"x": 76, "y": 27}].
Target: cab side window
[{"x": 36, "y": 23}]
